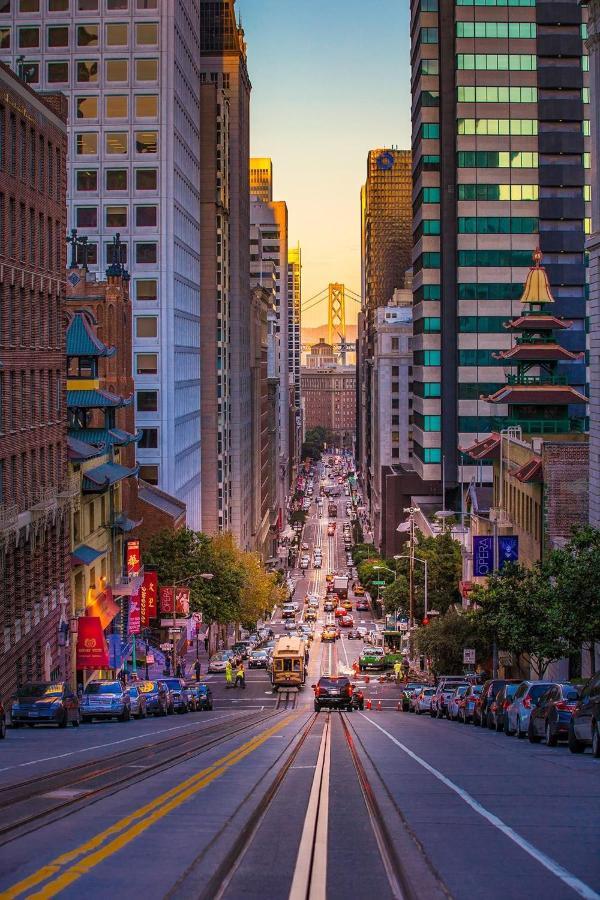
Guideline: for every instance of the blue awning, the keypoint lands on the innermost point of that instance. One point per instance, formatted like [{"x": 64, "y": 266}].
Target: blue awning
[
  {"x": 85, "y": 556},
  {"x": 104, "y": 476},
  {"x": 122, "y": 523}
]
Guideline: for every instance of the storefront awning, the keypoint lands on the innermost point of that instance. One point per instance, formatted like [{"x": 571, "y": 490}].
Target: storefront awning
[
  {"x": 85, "y": 555},
  {"x": 104, "y": 476}
]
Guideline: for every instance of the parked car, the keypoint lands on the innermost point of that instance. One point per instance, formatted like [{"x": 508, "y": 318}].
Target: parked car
[
  {"x": 218, "y": 661},
  {"x": 584, "y": 727},
  {"x": 501, "y": 702},
  {"x": 362, "y": 606},
  {"x": 180, "y": 697},
  {"x": 482, "y": 715},
  {"x": 45, "y": 702},
  {"x": 105, "y": 700},
  {"x": 138, "y": 702},
  {"x": 439, "y": 700},
  {"x": 466, "y": 706},
  {"x": 528, "y": 693},
  {"x": 551, "y": 717},
  {"x": 422, "y": 702},
  {"x": 157, "y": 696},
  {"x": 413, "y": 687},
  {"x": 333, "y": 692},
  {"x": 201, "y": 697},
  {"x": 454, "y": 699},
  {"x": 2, "y": 721},
  {"x": 258, "y": 659}
]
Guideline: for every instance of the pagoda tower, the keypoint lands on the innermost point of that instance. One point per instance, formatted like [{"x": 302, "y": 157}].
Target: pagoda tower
[{"x": 538, "y": 398}]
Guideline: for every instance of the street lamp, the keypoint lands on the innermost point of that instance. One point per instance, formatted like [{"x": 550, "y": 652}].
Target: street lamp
[
  {"x": 412, "y": 512},
  {"x": 424, "y": 561}
]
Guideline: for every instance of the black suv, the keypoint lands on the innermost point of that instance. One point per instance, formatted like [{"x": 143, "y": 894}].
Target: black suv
[
  {"x": 334, "y": 692},
  {"x": 483, "y": 710},
  {"x": 584, "y": 727}
]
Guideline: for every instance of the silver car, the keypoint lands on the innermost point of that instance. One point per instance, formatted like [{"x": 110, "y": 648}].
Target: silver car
[
  {"x": 105, "y": 700},
  {"x": 460, "y": 691},
  {"x": 516, "y": 719},
  {"x": 422, "y": 702},
  {"x": 138, "y": 702}
]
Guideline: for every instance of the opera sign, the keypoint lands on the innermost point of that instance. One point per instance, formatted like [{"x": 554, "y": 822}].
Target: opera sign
[{"x": 92, "y": 650}]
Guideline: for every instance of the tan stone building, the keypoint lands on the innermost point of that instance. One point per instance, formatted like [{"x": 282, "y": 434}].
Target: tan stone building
[{"x": 329, "y": 394}]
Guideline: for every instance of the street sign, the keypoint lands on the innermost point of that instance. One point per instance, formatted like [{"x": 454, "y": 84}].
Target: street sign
[
  {"x": 166, "y": 646},
  {"x": 378, "y": 583},
  {"x": 469, "y": 656},
  {"x": 403, "y": 626}
]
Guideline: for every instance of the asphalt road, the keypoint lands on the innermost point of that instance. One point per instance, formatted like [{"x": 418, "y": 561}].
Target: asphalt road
[{"x": 248, "y": 801}]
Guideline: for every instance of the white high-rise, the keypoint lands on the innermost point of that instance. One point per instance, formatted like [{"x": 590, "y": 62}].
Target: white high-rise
[{"x": 130, "y": 69}]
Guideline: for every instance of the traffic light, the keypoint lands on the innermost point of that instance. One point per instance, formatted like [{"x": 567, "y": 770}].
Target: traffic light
[{"x": 426, "y": 620}]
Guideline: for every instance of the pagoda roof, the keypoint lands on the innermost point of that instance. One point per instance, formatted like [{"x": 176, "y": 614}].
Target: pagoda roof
[
  {"x": 81, "y": 339},
  {"x": 488, "y": 448},
  {"x": 122, "y": 523},
  {"x": 537, "y": 322},
  {"x": 537, "y": 287},
  {"x": 97, "y": 399},
  {"x": 79, "y": 451},
  {"x": 84, "y": 555},
  {"x": 107, "y": 436},
  {"x": 539, "y": 351},
  {"x": 533, "y": 394},
  {"x": 531, "y": 471},
  {"x": 104, "y": 476}
]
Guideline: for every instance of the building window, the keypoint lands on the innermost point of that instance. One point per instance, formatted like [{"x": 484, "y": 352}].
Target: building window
[
  {"x": 146, "y": 33},
  {"x": 146, "y": 326},
  {"x": 4, "y": 38},
  {"x": 146, "y": 141},
  {"x": 87, "y": 5},
  {"x": 116, "y": 142},
  {"x": 146, "y": 179},
  {"x": 58, "y": 5},
  {"x": 86, "y": 180},
  {"x": 87, "y": 35},
  {"x": 111, "y": 255},
  {"x": 116, "y": 5},
  {"x": 87, "y": 143},
  {"x": 86, "y": 217},
  {"x": 149, "y": 439},
  {"x": 146, "y": 106},
  {"x": 116, "y": 217},
  {"x": 116, "y": 69},
  {"x": 116, "y": 34},
  {"x": 146, "y": 216},
  {"x": 116, "y": 180},
  {"x": 146, "y": 253},
  {"x": 147, "y": 401},
  {"x": 58, "y": 72},
  {"x": 86, "y": 107},
  {"x": 91, "y": 256},
  {"x": 29, "y": 37},
  {"x": 146, "y": 4},
  {"x": 146, "y": 290},
  {"x": 116, "y": 106},
  {"x": 87, "y": 70},
  {"x": 149, "y": 474},
  {"x": 517, "y": 127},
  {"x": 146, "y": 70},
  {"x": 146, "y": 363}
]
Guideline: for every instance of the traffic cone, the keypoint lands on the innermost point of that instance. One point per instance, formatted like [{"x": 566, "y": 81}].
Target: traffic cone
[
  {"x": 369, "y": 703},
  {"x": 378, "y": 705},
  {"x": 399, "y": 706},
  {"x": 367, "y": 679}
]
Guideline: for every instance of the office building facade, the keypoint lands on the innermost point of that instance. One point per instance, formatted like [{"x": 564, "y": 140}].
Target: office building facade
[
  {"x": 294, "y": 338},
  {"x": 131, "y": 76},
  {"x": 261, "y": 178},
  {"x": 500, "y": 166},
  {"x": 593, "y": 46}
]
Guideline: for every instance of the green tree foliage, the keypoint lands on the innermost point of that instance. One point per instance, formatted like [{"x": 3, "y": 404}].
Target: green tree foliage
[
  {"x": 444, "y": 569},
  {"x": 445, "y": 638},
  {"x": 396, "y": 596}
]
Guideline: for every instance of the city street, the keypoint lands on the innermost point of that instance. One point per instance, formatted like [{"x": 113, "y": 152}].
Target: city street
[{"x": 250, "y": 797}]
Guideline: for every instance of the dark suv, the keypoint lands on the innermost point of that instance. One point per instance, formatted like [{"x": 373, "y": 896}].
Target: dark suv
[
  {"x": 584, "y": 727},
  {"x": 483, "y": 712},
  {"x": 334, "y": 692}
]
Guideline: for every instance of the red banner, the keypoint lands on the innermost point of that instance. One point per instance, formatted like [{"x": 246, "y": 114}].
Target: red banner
[
  {"x": 134, "y": 558},
  {"x": 134, "y": 619},
  {"x": 103, "y": 607},
  {"x": 92, "y": 651},
  {"x": 182, "y": 600},
  {"x": 147, "y": 597}
]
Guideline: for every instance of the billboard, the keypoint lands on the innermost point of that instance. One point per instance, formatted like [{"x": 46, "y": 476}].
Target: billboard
[
  {"x": 508, "y": 549},
  {"x": 483, "y": 555}
]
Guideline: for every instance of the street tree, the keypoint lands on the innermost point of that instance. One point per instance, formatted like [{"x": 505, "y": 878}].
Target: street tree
[{"x": 443, "y": 640}]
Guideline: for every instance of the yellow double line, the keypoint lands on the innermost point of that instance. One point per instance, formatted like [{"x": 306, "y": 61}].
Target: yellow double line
[{"x": 69, "y": 867}]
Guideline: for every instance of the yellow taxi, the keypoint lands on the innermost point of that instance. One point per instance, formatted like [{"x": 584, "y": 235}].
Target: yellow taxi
[{"x": 359, "y": 591}]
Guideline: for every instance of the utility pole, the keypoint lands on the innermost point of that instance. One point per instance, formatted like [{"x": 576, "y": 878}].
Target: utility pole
[{"x": 412, "y": 511}]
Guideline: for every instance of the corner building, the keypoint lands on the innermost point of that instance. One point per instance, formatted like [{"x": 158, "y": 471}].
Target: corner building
[
  {"x": 500, "y": 166},
  {"x": 130, "y": 72}
]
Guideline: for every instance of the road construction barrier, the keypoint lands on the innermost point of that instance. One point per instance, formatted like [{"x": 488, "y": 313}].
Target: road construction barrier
[
  {"x": 399, "y": 705},
  {"x": 378, "y": 705},
  {"x": 369, "y": 703}
]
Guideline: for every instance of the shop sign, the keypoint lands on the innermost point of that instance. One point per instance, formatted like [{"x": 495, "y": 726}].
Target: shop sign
[
  {"x": 182, "y": 600},
  {"x": 92, "y": 651},
  {"x": 134, "y": 618},
  {"x": 147, "y": 597},
  {"x": 134, "y": 559},
  {"x": 483, "y": 555}
]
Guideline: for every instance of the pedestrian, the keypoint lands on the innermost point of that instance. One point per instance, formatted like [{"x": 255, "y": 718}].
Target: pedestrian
[
  {"x": 398, "y": 671},
  {"x": 178, "y": 672},
  {"x": 240, "y": 675},
  {"x": 183, "y": 667},
  {"x": 167, "y": 666},
  {"x": 206, "y": 644},
  {"x": 229, "y": 674},
  {"x": 197, "y": 669}
]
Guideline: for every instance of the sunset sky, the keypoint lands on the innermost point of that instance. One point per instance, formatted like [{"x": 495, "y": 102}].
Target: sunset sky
[{"x": 330, "y": 81}]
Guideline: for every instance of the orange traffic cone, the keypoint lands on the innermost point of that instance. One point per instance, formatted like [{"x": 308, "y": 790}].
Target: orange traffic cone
[
  {"x": 378, "y": 705},
  {"x": 369, "y": 703},
  {"x": 399, "y": 706},
  {"x": 367, "y": 679}
]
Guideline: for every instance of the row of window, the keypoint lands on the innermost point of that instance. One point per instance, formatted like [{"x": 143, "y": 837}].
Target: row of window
[
  {"x": 497, "y": 62},
  {"x": 495, "y": 2},
  {"x": 427, "y": 227},
  {"x": 116, "y": 34},
  {"x": 145, "y": 253},
  {"x": 476, "y": 290},
  {"x": 34, "y": 6},
  {"x": 116, "y": 179},
  {"x": 116, "y": 216},
  {"x": 427, "y": 454},
  {"x": 29, "y": 320},
  {"x": 116, "y": 143},
  {"x": 497, "y": 159},
  {"x": 498, "y": 224},
  {"x": 29, "y": 236},
  {"x": 493, "y": 93},
  {"x": 116, "y": 106},
  {"x": 27, "y": 155},
  {"x": 495, "y": 29},
  {"x": 497, "y": 126},
  {"x": 503, "y": 192},
  {"x": 87, "y": 71},
  {"x": 502, "y": 258},
  {"x": 32, "y": 397},
  {"x": 23, "y": 475},
  {"x": 427, "y": 423},
  {"x": 427, "y": 389}
]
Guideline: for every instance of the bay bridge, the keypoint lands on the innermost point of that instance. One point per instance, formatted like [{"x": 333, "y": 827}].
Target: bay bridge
[{"x": 335, "y": 295}]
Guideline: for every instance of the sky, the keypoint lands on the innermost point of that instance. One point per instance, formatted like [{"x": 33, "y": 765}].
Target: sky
[{"x": 330, "y": 81}]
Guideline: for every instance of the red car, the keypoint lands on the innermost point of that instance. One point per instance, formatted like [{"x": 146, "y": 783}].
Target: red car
[
  {"x": 347, "y": 622},
  {"x": 340, "y": 612},
  {"x": 362, "y": 606}
]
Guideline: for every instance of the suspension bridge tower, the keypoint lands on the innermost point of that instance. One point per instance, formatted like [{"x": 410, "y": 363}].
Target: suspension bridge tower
[{"x": 337, "y": 317}]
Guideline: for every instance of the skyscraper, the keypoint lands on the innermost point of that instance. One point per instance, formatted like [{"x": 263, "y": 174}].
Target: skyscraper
[
  {"x": 131, "y": 76},
  {"x": 261, "y": 178},
  {"x": 223, "y": 63},
  {"x": 593, "y": 45},
  {"x": 295, "y": 343},
  {"x": 500, "y": 153}
]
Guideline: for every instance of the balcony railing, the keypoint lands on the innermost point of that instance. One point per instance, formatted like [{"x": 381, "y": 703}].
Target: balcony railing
[
  {"x": 537, "y": 379},
  {"x": 543, "y": 426}
]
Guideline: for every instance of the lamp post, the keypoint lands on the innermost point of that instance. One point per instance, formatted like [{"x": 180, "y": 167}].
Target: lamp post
[
  {"x": 412, "y": 511},
  {"x": 206, "y": 576},
  {"x": 424, "y": 561}
]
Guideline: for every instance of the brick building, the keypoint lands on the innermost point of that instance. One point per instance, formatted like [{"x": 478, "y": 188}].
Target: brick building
[
  {"x": 34, "y": 496},
  {"x": 329, "y": 394}
]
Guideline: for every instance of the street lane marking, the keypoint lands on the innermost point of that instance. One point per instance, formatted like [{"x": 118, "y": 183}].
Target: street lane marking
[
  {"x": 555, "y": 868},
  {"x": 94, "y": 851},
  {"x": 136, "y": 737}
]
